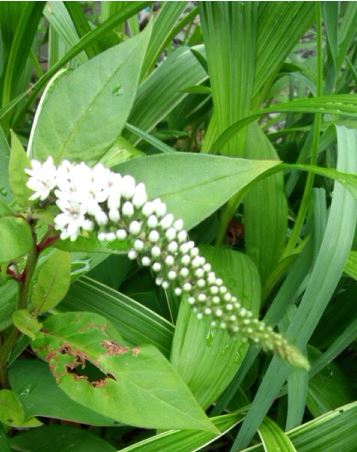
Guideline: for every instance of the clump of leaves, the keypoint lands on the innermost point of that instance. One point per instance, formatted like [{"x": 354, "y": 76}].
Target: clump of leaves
[{"x": 201, "y": 105}]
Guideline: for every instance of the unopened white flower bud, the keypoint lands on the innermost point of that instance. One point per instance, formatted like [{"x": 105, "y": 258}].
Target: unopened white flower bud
[
  {"x": 167, "y": 221},
  {"x": 148, "y": 209},
  {"x": 154, "y": 236},
  {"x": 114, "y": 215},
  {"x": 134, "y": 227},
  {"x": 121, "y": 234},
  {"x": 170, "y": 233},
  {"x": 152, "y": 221},
  {"x": 132, "y": 255},
  {"x": 128, "y": 187},
  {"x": 127, "y": 209}
]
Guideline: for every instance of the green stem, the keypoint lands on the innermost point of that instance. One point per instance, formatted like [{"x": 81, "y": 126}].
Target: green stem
[
  {"x": 23, "y": 295},
  {"x": 306, "y": 198}
]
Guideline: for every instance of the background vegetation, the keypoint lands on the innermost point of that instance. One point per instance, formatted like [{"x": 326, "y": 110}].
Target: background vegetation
[{"x": 271, "y": 81}]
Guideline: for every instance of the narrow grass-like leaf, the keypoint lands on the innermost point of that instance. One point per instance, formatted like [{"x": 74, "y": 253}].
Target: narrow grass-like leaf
[
  {"x": 82, "y": 26},
  {"x": 324, "y": 278},
  {"x": 61, "y": 23},
  {"x": 351, "y": 265},
  {"x": 162, "y": 91},
  {"x": 184, "y": 441},
  {"x": 163, "y": 25},
  {"x": 227, "y": 27},
  {"x": 273, "y": 438},
  {"x": 264, "y": 205},
  {"x": 280, "y": 26},
  {"x": 20, "y": 47},
  {"x": 331, "y": 432},
  {"x": 338, "y": 104}
]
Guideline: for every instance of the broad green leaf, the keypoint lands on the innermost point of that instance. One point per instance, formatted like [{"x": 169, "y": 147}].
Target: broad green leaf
[
  {"x": 96, "y": 97},
  {"x": 60, "y": 438},
  {"x": 12, "y": 413},
  {"x": 207, "y": 360},
  {"x": 194, "y": 185},
  {"x": 15, "y": 238},
  {"x": 52, "y": 282},
  {"x": 326, "y": 273},
  {"x": 39, "y": 395},
  {"x": 136, "y": 323},
  {"x": 185, "y": 441},
  {"x": 26, "y": 323},
  {"x": 17, "y": 165},
  {"x": 128, "y": 379}
]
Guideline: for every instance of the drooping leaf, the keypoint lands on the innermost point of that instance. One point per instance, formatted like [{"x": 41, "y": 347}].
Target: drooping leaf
[{"x": 127, "y": 380}]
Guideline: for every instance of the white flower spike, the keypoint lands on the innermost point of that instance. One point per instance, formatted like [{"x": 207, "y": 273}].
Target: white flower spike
[{"x": 115, "y": 207}]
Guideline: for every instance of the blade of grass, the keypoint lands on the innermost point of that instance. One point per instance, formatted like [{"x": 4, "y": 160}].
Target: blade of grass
[
  {"x": 162, "y": 91},
  {"x": 61, "y": 23},
  {"x": 81, "y": 25},
  {"x": 162, "y": 29},
  {"x": 229, "y": 34},
  {"x": 326, "y": 273}
]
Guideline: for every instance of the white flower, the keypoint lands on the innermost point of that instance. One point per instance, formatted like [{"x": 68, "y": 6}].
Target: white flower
[{"x": 42, "y": 178}]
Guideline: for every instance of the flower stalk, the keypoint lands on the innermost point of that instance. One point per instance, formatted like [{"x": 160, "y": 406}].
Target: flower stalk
[{"x": 115, "y": 207}]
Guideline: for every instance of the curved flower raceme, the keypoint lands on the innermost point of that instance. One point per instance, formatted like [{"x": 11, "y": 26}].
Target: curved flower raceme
[{"x": 115, "y": 207}]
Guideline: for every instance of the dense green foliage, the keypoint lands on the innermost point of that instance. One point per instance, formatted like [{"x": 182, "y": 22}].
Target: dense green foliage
[{"x": 241, "y": 117}]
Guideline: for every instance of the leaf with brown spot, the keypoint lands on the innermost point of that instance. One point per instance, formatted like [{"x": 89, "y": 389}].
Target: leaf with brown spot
[{"x": 96, "y": 368}]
